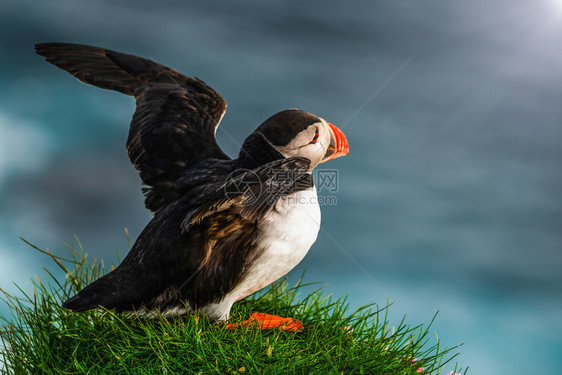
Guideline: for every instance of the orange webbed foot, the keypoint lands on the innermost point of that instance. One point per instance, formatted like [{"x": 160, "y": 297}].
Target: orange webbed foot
[{"x": 267, "y": 321}]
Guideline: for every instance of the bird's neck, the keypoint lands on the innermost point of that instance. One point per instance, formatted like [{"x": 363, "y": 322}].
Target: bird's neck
[{"x": 257, "y": 151}]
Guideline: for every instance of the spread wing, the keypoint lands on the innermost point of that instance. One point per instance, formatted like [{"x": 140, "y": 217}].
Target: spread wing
[{"x": 175, "y": 121}]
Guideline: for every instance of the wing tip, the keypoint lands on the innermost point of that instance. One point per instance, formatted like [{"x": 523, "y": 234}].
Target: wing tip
[
  {"x": 48, "y": 48},
  {"x": 45, "y": 49}
]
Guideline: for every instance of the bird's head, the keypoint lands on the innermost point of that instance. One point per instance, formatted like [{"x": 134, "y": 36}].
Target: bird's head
[{"x": 296, "y": 133}]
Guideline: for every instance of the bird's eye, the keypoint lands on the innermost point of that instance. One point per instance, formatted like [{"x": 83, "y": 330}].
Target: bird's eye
[{"x": 316, "y": 135}]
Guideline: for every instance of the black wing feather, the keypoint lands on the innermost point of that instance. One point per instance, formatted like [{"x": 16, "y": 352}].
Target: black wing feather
[
  {"x": 257, "y": 190},
  {"x": 174, "y": 124}
]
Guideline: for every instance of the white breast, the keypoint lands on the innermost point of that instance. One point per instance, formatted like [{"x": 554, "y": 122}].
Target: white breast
[{"x": 286, "y": 234}]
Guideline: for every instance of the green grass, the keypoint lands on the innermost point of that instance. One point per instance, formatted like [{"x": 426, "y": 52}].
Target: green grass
[{"x": 39, "y": 336}]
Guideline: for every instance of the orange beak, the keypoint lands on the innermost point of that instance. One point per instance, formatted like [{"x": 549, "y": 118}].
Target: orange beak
[{"x": 338, "y": 144}]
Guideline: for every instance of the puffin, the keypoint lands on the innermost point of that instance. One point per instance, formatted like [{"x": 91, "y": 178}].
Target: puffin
[{"x": 222, "y": 228}]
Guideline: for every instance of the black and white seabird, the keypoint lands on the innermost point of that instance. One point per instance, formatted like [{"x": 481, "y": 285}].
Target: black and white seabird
[{"x": 222, "y": 228}]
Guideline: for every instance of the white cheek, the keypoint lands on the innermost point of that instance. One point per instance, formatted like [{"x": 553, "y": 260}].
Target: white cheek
[
  {"x": 324, "y": 144},
  {"x": 314, "y": 152},
  {"x": 321, "y": 149}
]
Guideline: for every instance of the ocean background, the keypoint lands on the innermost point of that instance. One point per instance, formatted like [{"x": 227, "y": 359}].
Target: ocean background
[{"x": 449, "y": 201}]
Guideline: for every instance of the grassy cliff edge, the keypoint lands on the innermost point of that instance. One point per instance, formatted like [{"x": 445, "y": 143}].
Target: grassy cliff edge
[{"x": 39, "y": 336}]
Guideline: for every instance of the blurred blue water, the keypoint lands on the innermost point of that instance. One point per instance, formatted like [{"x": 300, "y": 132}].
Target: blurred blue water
[{"x": 449, "y": 200}]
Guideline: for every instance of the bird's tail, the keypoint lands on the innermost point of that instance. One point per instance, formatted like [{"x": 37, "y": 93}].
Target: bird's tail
[
  {"x": 78, "y": 304},
  {"x": 100, "y": 293}
]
